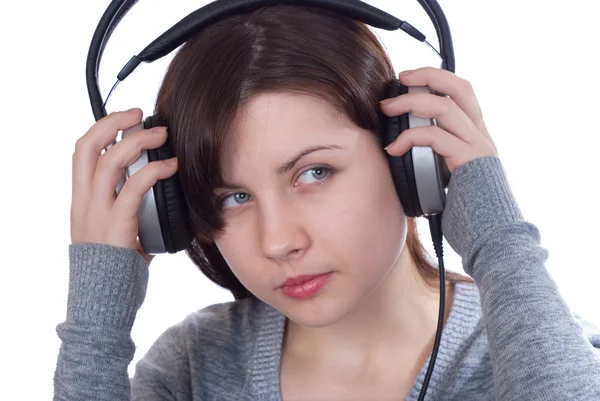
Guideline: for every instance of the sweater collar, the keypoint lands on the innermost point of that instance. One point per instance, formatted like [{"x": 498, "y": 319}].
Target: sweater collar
[
  {"x": 263, "y": 381},
  {"x": 263, "y": 369}
]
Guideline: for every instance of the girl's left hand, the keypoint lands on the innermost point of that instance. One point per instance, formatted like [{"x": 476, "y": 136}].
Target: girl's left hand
[{"x": 461, "y": 134}]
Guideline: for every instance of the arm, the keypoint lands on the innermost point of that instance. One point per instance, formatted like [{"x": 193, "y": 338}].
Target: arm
[
  {"x": 107, "y": 286},
  {"x": 537, "y": 348}
]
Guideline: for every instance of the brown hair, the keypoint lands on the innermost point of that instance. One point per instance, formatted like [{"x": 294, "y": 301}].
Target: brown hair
[{"x": 279, "y": 48}]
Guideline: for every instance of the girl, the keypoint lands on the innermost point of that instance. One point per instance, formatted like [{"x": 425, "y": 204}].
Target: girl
[{"x": 278, "y": 146}]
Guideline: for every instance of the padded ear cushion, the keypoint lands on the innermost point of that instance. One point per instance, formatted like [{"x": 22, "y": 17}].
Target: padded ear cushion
[
  {"x": 170, "y": 202},
  {"x": 401, "y": 166}
]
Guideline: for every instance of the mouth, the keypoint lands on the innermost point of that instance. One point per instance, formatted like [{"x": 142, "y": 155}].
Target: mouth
[
  {"x": 306, "y": 287},
  {"x": 300, "y": 279}
]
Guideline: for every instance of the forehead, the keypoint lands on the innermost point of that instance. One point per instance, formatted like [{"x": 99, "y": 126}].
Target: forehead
[
  {"x": 284, "y": 111},
  {"x": 273, "y": 125}
]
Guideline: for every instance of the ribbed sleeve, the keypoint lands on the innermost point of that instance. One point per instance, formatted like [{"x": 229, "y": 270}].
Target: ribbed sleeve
[
  {"x": 538, "y": 350},
  {"x": 107, "y": 286}
]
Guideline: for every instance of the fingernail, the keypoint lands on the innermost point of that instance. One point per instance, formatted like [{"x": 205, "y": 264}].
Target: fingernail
[
  {"x": 158, "y": 129},
  {"x": 132, "y": 110},
  {"x": 172, "y": 161},
  {"x": 386, "y": 101},
  {"x": 406, "y": 73}
]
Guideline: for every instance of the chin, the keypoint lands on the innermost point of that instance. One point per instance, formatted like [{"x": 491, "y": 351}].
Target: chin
[{"x": 318, "y": 311}]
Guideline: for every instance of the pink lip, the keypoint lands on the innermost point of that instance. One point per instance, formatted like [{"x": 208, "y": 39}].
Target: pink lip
[
  {"x": 300, "y": 279},
  {"x": 305, "y": 286}
]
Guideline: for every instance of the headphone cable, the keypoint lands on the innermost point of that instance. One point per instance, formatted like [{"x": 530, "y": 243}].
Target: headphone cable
[{"x": 435, "y": 226}]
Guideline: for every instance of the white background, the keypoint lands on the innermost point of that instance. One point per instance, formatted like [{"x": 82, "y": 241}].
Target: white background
[{"x": 534, "y": 67}]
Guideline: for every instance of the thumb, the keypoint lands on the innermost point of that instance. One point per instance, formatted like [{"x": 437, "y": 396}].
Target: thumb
[{"x": 148, "y": 258}]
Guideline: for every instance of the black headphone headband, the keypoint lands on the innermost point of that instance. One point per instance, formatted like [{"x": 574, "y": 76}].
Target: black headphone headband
[{"x": 219, "y": 9}]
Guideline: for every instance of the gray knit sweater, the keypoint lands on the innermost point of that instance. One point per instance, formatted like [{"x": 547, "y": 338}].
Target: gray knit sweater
[{"x": 509, "y": 337}]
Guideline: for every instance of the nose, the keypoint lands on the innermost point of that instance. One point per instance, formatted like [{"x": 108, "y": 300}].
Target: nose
[{"x": 283, "y": 237}]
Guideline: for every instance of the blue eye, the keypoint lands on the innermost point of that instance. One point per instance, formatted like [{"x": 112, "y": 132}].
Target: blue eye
[
  {"x": 242, "y": 197},
  {"x": 316, "y": 175}
]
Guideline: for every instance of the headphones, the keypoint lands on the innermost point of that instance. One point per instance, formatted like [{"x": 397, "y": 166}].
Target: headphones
[{"x": 420, "y": 176}]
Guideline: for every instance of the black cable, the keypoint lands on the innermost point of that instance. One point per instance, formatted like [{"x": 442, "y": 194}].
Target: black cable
[
  {"x": 434, "y": 49},
  {"x": 435, "y": 225},
  {"x": 111, "y": 91}
]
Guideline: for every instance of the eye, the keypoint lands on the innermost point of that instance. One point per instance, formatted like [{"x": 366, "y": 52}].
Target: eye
[
  {"x": 237, "y": 199},
  {"x": 315, "y": 176},
  {"x": 317, "y": 173}
]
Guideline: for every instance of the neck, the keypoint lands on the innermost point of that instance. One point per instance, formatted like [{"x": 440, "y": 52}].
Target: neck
[{"x": 399, "y": 319}]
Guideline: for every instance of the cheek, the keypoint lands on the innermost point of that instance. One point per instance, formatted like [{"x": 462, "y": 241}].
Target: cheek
[
  {"x": 365, "y": 225},
  {"x": 236, "y": 253}
]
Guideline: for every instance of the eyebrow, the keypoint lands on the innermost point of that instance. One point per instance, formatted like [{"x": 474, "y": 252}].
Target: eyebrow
[{"x": 288, "y": 165}]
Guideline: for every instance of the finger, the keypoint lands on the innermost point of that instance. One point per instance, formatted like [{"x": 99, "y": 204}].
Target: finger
[
  {"x": 87, "y": 151},
  {"x": 448, "y": 83},
  {"x": 129, "y": 200},
  {"x": 147, "y": 257},
  {"x": 443, "y": 109},
  {"x": 442, "y": 143},
  {"x": 109, "y": 170}
]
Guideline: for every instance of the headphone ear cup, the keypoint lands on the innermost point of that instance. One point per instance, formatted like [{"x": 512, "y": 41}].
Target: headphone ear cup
[
  {"x": 170, "y": 202},
  {"x": 401, "y": 167}
]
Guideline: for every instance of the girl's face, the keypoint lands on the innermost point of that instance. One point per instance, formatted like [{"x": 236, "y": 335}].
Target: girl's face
[{"x": 334, "y": 209}]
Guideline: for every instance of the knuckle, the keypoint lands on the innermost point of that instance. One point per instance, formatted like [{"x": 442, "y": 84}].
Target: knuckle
[
  {"x": 104, "y": 161},
  {"x": 408, "y": 134},
  {"x": 138, "y": 140},
  {"x": 141, "y": 175},
  {"x": 436, "y": 130},
  {"x": 112, "y": 118},
  {"x": 142, "y": 139},
  {"x": 137, "y": 182},
  {"x": 80, "y": 145},
  {"x": 466, "y": 85},
  {"x": 448, "y": 104},
  {"x": 131, "y": 185},
  {"x": 429, "y": 129},
  {"x": 116, "y": 118},
  {"x": 158, "y": 166},
  {"x": 120, "y": 113}
]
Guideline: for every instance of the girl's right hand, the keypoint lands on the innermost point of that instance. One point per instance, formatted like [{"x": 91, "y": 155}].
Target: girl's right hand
[{"x": 98, "y": 215}]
